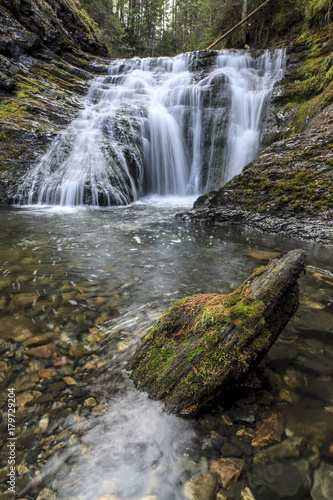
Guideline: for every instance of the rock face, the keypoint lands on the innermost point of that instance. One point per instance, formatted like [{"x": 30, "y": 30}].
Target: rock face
[
  {"x": 204, "y": 344},
  {"x": 48, "y": 53},
  {"x": 287, "y": 189},
  {"x": 28, "y": 25}
]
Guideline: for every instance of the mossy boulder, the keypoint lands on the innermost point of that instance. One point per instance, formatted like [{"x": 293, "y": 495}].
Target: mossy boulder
[{"x": 205, "y": 344}]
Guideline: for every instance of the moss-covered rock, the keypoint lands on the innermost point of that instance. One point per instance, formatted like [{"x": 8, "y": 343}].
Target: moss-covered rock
[
  {"x": 48, "y": 54},
  {"x": 288, "y": 189},
  {"x": 205, "y": 344}
]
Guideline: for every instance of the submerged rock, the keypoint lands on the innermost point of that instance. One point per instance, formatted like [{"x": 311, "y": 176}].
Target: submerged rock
[
  {"x": 205, "y": 344},
  {"x": 202, "y": 486},
  {"x": 323, "y": 482}
]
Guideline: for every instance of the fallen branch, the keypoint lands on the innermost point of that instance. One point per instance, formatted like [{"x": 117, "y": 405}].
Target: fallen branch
[{"x": 239, "y": 24}]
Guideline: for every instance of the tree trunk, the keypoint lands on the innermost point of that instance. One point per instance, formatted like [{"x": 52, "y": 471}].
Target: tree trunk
[
  {"x": 205, "y": 344},
  {"x": 244, "y": 15}
]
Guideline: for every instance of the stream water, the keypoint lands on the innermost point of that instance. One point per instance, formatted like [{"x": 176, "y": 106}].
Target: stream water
[
  {"x": 102, "y": 277},
  {"x": 80, "y": 285}
]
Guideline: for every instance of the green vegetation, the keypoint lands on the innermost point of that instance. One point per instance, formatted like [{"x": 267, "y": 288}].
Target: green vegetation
[
  {"x": 167, "y": 27},
  {"x": 298, "y": 189},
  {"x": 193, "y": 335}
]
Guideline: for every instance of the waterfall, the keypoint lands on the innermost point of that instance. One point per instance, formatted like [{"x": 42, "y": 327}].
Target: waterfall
[
  {"x": 250, "y": 82},
  {"x": 165, "y": 126}
]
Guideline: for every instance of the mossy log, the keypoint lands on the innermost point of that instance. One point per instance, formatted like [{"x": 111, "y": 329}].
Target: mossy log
[{"x": 205, "y": 344}]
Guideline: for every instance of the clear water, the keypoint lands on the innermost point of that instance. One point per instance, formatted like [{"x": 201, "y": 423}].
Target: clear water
[
  {"x": 155, "y": 126},
  {"x": 116, "y": 270}
]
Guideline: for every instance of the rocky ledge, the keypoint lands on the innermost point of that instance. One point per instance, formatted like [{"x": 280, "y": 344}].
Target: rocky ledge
[
  {"x": 205, "y": 344},
  {"x": 288, "y": 189},
  {"x": 48, "y": 54}
]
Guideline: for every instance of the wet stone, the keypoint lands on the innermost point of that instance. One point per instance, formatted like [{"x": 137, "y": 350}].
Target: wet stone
[
  {"x": 27, "y": 439},
  {"x": 244, "y": 447},
  {"x": 18, "y": 329},
  {"x": 46, "y": 494},
  {"x": 229, "y": 469},
  {"x": 43, "y": 339},
  {"x": 90, "y": 402},
  {"x": 57, "y": 386},
  {"x": 44, "y": 351},
  {"x": 217, "y": 443},
  {"x": 45, "y": 398},
  {"x": 270, "y": 431},
  {"x": 289, "y": 448},
  {"x": 70, "y": 381},
  {"x": 323, "y": 482},
  {"x": 305, "y": 469},
  {"x": 246, "y": 494},
  {"x": 230, "y": 450},
  {"x": 202, "y": 486},
  {"x": 276, "y": 482},
  {"x": 32, "y": 456},
  {"x": 7, "y": 495},
  {"x": 78, "y": 350},
  {"x": 234, "y": 490},
  {"x": 3, "y": 474}
]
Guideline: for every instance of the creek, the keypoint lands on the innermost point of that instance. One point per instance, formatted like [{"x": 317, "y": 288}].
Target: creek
[
  {"x": 94, "y": 255},
  {"x": 102, "y": 277}
]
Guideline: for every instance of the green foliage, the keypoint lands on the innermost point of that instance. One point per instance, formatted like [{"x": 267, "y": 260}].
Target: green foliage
[
  {"x": 319, "y": 11},
  {"x": 167, "y": 27}
]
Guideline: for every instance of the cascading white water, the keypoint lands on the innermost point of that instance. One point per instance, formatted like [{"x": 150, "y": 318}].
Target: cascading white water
[
  {"x": 251, "y": 81},
  {"x": 157, "y": 126}
]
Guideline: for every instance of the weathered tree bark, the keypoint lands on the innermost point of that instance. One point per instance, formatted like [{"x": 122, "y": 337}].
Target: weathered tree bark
[
  {"x": 205, "y": 344},
  {"x": 238, "y": 25},
  {"x": 244, "y": 15}
]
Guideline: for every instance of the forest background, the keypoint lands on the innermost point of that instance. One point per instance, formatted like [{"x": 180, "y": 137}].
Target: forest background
[{"x": 169, "y": 27}]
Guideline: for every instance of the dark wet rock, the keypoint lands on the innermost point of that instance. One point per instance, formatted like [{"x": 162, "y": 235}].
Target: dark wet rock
[
  {"x": 8, "y": 495},
  {"x": 55, "y": 25},
  {"x": 45, "y": 398},
  {"x": 230, "y": 450},
  {"x": 80, "y": 349},
  {"x": 244, "y": 447},
  {"x": 234, "y": 491},
  {"x": 309, "y": 422},
  {"x": 217, "y": 443},
  {"x": 46, "y": 63},
  {"x": 28, "y": 439},
  {"x": 323, "y": 482},
  {"x": 276, "y": 481},
  {"x": 305, "y": 469},
  {"x": 204, "y": 344},
  {"x": 32, "y": 456},
  {"x": 210, "y": 422}
]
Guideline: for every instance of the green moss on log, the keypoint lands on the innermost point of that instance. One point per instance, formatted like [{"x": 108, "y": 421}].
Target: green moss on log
[{"x": 206, "y": 342}]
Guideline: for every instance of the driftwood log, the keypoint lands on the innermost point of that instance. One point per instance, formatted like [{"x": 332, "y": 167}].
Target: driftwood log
[{"x": 205, "y": 344}]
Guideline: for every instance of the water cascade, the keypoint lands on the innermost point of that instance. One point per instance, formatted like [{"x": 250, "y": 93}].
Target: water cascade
[{"x": 165, "y": 126}]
